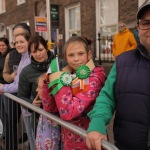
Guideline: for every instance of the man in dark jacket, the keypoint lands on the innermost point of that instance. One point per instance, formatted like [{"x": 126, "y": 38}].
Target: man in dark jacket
[{"x": 126, "y": 91}]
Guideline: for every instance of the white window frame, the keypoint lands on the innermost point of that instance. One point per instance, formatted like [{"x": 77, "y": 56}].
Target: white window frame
[
  {"x": 76, "y": 30},
  {"x": 2, "y": 6},
  {"x": 19, "y": 2}
]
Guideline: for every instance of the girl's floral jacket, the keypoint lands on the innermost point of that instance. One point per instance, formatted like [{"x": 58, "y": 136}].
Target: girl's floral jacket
[{"x": 74, "y": 108}]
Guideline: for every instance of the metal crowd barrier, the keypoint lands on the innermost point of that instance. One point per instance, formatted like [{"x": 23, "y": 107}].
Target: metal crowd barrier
[{"x": 105, "y": 144}]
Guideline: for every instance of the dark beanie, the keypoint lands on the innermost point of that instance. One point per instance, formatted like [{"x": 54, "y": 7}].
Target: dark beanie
[{"x": 24, "y": 26}]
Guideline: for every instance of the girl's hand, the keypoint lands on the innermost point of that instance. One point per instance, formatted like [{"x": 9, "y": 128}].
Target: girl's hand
[
  {"x": 93, "y": 140},
  {"x": 37, "y": 102}
]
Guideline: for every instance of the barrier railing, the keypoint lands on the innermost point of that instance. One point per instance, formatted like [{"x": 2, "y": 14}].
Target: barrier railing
[{"x": 105, "y": 144}]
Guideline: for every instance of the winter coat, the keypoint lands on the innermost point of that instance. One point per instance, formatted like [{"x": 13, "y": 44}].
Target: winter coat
[
  {"x": 2, "y": 61},
  {"x": 12, "y": 59},
  {"x": 74, "y": 108},
  {"x": 123, "y": 41},
  {"x": 13, "y": 87},
  {"x": 29, "y": 76}
]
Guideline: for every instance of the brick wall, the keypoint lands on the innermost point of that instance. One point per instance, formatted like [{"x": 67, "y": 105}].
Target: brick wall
[
  {"x": 127, "y": 12},
  {"x": 88, "y": 18},
  {"x": 26, "y": 11},
  {"x": 15, "y": 14}
]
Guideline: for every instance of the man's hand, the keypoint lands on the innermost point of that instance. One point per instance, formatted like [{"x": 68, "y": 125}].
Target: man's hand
[
  {"x": 37, "y": 102},
  {"x": 93, "y": 140}
]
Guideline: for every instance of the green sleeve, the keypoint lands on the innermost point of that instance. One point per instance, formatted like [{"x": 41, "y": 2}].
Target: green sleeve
[{"x": 104, "y": 107}]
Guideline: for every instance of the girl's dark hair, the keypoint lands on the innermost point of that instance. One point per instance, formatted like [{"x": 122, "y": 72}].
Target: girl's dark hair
[
  {"x": 87, "y": 43},
  {"x": 5, "y": 40},
  {"x": 36, "y": 40}
]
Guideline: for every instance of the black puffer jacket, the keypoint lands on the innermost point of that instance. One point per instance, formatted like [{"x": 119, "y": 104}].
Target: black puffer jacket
[
  {"x": 132, "y": 120},
  {"x": 28, "y": 78}
]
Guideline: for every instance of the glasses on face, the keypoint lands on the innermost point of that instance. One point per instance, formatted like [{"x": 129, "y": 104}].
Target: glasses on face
[{"x": 144, "y": 24}]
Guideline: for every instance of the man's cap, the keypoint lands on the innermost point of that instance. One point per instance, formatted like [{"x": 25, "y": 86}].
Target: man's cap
[
  {"x": 24, "y": 26},
  {"x": 142, "y": 8}
]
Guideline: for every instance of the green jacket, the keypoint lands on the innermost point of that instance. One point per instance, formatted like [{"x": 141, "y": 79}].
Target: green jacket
[{"x": 104, "y": 107}]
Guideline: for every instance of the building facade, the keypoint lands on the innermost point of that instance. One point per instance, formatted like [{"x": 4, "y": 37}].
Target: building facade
[{"x": 80, "y": 17}]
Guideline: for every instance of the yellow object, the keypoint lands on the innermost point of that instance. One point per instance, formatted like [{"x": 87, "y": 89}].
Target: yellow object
[
  {"x": 123, "y": 41},
  {"x": 50, "y": 45}
]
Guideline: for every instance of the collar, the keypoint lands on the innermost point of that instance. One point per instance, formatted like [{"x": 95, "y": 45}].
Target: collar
[
  {"x": 57, "y": 75},
  {"x": 143, "y": 51},
  {"x": 42, "y": 66},
  {"x": 25, "y": 55}
]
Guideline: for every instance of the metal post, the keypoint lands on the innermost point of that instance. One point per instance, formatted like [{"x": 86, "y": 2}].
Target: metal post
[
  {"x": 48, "y": 20},
  {"x": 99, "y": 40},
  {"x": 35, "y": 7}
]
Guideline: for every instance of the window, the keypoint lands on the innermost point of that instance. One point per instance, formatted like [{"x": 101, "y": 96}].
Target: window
[
  {"x": 2, "y": 6},
  {"x": 107, "y": 26},
  {"x": 140, "y": 2},
  {"x": 20, "y": 2},
  {"x": 108, "y": 17},
  {"x": 73, "y": 22}
]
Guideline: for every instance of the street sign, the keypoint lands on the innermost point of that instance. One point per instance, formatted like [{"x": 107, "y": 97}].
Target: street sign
[
  {"x": 40, "y": 24},
  {"x": 54, "y": 12}
]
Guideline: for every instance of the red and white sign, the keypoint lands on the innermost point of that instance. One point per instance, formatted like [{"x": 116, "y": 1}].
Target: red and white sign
[{"x": 40, "y": 24}]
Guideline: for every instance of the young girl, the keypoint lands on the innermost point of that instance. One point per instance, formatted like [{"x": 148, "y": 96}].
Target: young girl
[
  {"x": 48, "y": 132},
  {"x": 74, "y": 100},
  {"x": 11, "y": 107}
]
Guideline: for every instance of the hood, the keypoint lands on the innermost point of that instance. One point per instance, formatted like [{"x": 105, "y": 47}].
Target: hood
[{"x": 126, "y": 30}]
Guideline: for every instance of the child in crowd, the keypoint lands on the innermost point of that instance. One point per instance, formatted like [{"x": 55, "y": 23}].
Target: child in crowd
[
  {"x": 48, "y": 132},
  {"x": 77, "y": 88}
]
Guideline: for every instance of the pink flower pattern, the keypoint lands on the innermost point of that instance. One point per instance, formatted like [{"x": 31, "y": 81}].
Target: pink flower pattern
[
  {"x": 48, "y": 132},
  {"x": 48, "y": 135}
]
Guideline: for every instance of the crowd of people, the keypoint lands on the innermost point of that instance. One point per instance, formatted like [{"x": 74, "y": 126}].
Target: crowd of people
[{"x": 76, "y": 90}]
